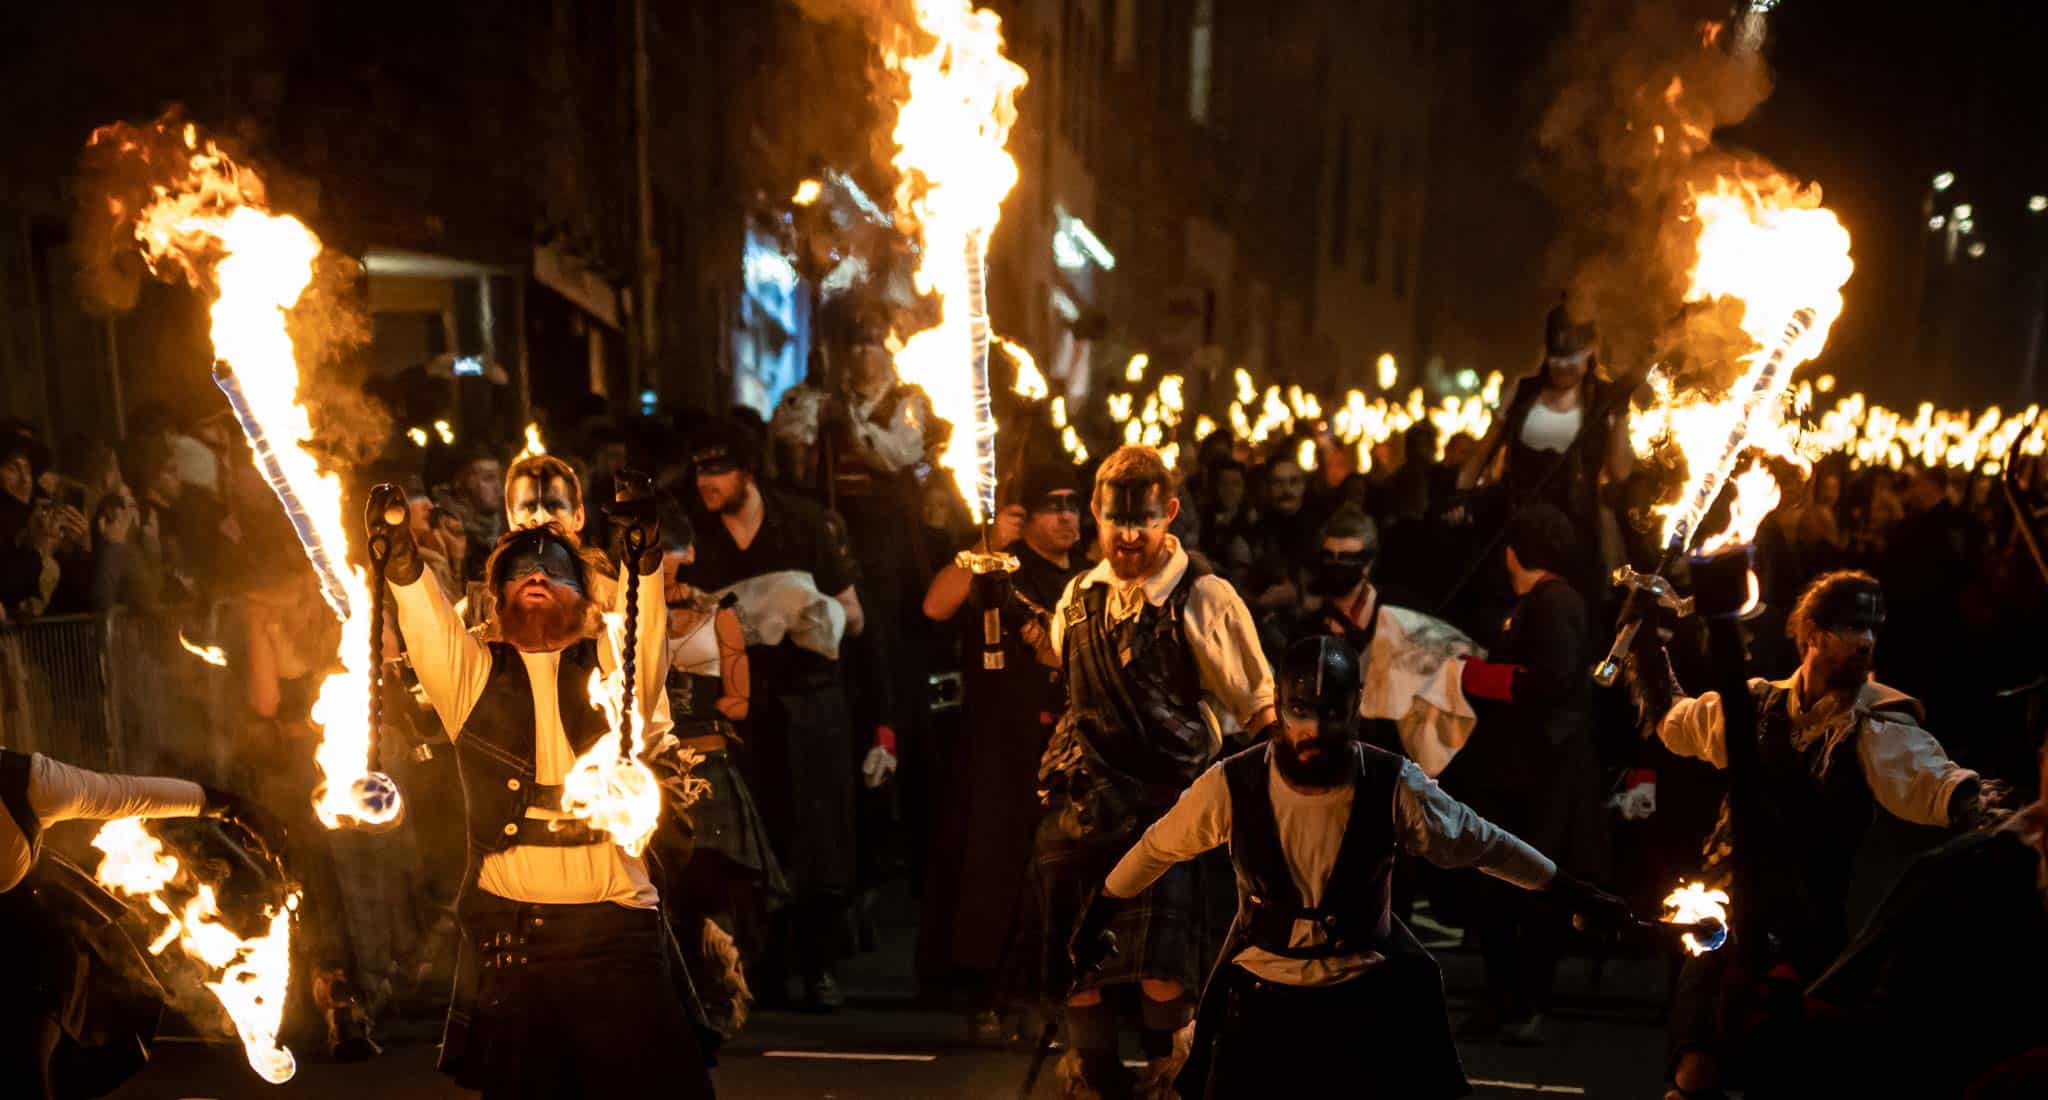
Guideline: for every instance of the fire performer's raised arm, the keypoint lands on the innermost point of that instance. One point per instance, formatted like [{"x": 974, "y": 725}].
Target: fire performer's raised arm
[
  {"x": 1829, "y": 700},
  {"x": 452, "y": 665}
]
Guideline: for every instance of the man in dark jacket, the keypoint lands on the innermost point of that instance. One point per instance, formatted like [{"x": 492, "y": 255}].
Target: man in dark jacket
[{"x": 1530, "y": 766}]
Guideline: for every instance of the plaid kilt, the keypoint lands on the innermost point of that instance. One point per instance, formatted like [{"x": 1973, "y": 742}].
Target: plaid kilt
[{"x": 1162, "y": 934}]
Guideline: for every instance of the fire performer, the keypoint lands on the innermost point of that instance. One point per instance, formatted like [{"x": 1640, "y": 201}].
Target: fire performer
[
  {"x": 989, "y": 812},
  {"x": 1319, "y": 981},
  {"x": 1413, "y": 661},
  {"x": 565, "y": 982},
  {"x": 1818, "y": 752},
  {"x": 1151, "y": 644},
  {"x": 63, "y": 926}
]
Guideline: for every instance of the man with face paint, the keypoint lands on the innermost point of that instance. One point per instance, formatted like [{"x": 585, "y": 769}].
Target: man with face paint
[
  {"x": 990, "y": 807},
  {"x": 1318, "y": 981},
  {"x": 543, "y": 489},
  {"x": 1811, "y": 758},
  {"x": 564, "y": 980},
  {"x": 1414, "y": 662},
  {"x": 1154, "y": 647}
]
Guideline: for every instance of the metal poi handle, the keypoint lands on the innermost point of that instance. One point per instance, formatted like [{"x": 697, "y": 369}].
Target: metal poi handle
[{"x": 629, "y": 571}]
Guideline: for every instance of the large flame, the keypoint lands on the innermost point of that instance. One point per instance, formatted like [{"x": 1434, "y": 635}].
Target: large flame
[
  {"x": 1694, "y": 902},
  {"x": 951, "y": 127},
  {"x": 247, "y": 975},
  {"x": 211, "y": 226},
  {"x": 1771, "y": 246},
  {"x": 615, "y": 794}
]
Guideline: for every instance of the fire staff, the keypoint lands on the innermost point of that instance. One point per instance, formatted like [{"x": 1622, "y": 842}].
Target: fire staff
[
  {"x": 63, "y": 926},
  {"x": 1319, "y": 981},
  {"x": 1150, "y": 641},
  {"x": 1817, "y": 753},
  {"x": 565, "y": 980}
]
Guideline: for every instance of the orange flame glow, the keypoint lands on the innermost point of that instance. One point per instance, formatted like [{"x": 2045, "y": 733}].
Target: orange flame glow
[
  {"x": 247, "y": 975},
  {"x": 534, "y": 444},
  {"x": 1771, "y": 246},
  {"x": 616, "y": 794},
  {"x": 211, "y": 654},
  {"x": 212, "y": 226},
  {"x": 1692, "y": 903},
  {"x": 951, "y": 128}
]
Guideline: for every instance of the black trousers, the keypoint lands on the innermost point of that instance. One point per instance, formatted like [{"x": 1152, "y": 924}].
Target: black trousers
[
  {"x": 577, "y": 1001},
  {"x": 1381, "y": 1034}
]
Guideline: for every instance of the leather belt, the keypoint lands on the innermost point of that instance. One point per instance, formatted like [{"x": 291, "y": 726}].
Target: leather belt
[
  {"x": 562, "y": 832},
  {"x": 704, "y": 742}
]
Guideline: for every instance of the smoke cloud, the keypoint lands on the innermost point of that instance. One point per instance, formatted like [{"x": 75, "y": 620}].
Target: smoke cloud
[{"x": 1641, "y": 86}]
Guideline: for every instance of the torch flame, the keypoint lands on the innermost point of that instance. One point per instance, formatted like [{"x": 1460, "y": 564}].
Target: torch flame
[
  {"x": 1771, "y": 246},
  {"x": 534, "y": 445},
  {"x": 618, "y": 795},
  {"x": 950, "y": 131},
  {"x": 1692, "y": 903},
  {"x": 211, "y": 654},
  {"x": 247, "y": 975},
  {"x": 212, "y": 227}
]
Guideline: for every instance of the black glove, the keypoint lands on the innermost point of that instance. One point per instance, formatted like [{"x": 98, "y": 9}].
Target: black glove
[
  {"x": 1720, "y": 584},
  {"x": 1593, "y": 909},
  {"x": 1093, "y": 943},
  {"x": 388, "y": 519},
  {"x": 635, "y": 525},
  {"x": 229, "y": 808},
  {"x": 1652, "y": 685}
]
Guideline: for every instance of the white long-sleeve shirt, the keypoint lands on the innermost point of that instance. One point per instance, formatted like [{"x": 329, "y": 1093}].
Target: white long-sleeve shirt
[
  {"x": 1219, "y": 630},
  {"x": 1414, "y": 677},
  {"x": 1908, "y": 771},
  {"x": 1427, "y": 823},
  {"x": 60, "y": 792},
  {"x": 453, "y": 668}
]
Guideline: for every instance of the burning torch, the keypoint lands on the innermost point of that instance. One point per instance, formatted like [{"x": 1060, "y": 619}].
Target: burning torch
[{"x": 1700, "y": 492}]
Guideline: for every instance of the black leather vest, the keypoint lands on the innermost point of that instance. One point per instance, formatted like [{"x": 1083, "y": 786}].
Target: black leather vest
[
  {"x": 1819, "y": 808},
  {"x": 1355, "y": 911},
  {"x": 494, "y": 753},
  {"x": 1134, "y": 695}
]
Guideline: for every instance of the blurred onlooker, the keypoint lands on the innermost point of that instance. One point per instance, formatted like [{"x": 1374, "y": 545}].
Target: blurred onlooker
[
  {"x": 1282, "y": 538},
  {"x": 1228, "y": 519},
  {"x": 475, "y": 496},
  {"x": 29, "y": 530}
]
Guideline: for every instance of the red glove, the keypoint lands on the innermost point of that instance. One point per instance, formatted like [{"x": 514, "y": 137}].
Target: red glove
[{"x": 1489, "y": 680}]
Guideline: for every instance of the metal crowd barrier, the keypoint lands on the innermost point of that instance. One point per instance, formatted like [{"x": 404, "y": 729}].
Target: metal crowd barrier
[{"x": 115, "y": 691}]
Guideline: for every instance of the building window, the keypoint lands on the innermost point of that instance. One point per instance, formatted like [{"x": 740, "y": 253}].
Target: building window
[
  {"x": 1200, "y": 44},
  {"x": 1375, "y": 201},
  {"x": 1404, "y": 222},
  {"x": 1340, "y": 196}
]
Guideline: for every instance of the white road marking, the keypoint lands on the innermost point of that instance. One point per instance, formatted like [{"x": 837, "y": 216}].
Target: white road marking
[
  {"x": 848, "y": 1056},
  {"x": 1525, "y": 1086}
]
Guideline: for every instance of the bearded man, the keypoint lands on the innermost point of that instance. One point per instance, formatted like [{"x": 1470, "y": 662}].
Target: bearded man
[
  {"x": 1152, "y": 645},
  {"x": 1810, "y": 759},
  {"x": 1319, "y": 981},
  {"x": 564, "y": 981}
]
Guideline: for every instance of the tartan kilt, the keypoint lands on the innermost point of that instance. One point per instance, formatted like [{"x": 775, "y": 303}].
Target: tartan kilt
[{"x": 1162, "y": 934}]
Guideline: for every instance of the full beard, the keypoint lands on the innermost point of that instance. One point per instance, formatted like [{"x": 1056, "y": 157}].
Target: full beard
[
  {"x": 1328, "y": 768},
  {"x": 1132, "y": 565},
  {"x": 544, "y": 628}
]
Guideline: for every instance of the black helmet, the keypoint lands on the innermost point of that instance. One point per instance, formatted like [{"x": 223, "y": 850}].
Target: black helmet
[{"x": 1320, "y": 676}]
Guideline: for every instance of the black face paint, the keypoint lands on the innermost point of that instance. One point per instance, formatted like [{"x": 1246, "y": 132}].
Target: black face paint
[
  {"x": 1065, "y": 501},
  {"x": 1134, "y": 505},
  {"x": 1336, "y": 574},
  {"x": 712, "y": 461},
  {"x": 1851, "y": 610},
  {"x": 543, "y": 554}
]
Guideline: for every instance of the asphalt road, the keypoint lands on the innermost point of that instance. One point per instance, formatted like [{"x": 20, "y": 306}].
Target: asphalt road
[{"x": 1601, "y": 1043}]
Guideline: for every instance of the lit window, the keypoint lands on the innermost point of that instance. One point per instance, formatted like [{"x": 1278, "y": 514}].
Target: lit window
[{"x": 1199, "y": 47}]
